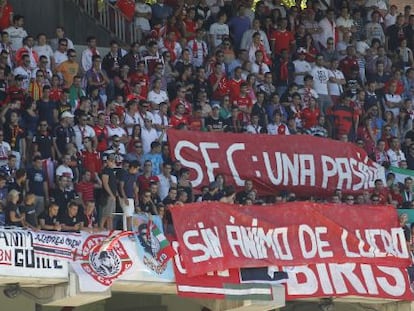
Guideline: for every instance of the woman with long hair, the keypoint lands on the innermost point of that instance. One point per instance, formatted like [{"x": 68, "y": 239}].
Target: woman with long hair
[
  {"x": 311, "y": 50},
  {"x": 391, "y": 122},
  {"x": 136, "y": 133}
]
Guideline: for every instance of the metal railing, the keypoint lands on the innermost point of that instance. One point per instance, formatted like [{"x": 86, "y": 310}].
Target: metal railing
[{"x": 111, "y": 18}]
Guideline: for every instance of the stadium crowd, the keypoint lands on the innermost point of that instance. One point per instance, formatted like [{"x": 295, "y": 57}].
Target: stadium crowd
[{"x": 82, "y": 134}]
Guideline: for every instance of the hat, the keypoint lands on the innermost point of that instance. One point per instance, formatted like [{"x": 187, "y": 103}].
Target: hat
[
  {"x": 66, "y": 114},
  {"x": 216, "y": 106},
  {"x": 301, "y": 50}
]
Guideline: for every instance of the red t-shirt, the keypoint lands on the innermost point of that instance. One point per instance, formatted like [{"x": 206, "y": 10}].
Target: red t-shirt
[
  {"x": 282, "y": 40},
  {"x": 187, "y": 106},
  {"x": 176, "y": 121},
  {"x": 91, "y": 161},
  {"x": 143, "y": 80},
  {"x": 86, "y": 189},
  {"x": 190, "y": 26},
  {"x": 102, "y": 136},
  {"x": 144, "y": 183},
  {"x": 55, "y": 94},
  {"x": 348, "y": 64},
  {"x": 234, "y": 87},
  {"x": 127, "y": 7},
  {"x": 310, "y": 118},
  {"x": 243, "y": 102},
  {"x": 5, "y": 16},
  {"x": 222, "y": 89}
]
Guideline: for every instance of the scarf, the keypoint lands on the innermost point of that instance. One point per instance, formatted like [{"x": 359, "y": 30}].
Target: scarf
[{"x": 170, "y": 46}]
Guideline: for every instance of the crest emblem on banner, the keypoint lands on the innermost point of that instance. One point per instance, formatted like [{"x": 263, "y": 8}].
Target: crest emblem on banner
[{"x": 104, "y": 266}]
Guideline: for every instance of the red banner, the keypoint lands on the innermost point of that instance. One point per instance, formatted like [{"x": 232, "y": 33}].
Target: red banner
[
  {"x": 304, "y": 164},
  {"x": 312, "y": 281},
  {"x": 290, "y": 234},
  {"x": 348, "y": 279}
]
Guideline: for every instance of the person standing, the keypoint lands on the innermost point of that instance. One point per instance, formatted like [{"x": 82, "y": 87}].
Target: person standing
[{"x": 110, "y": 193}]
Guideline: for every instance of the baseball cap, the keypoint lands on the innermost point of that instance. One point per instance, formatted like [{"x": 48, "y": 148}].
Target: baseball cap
[
  {"x": 216, "y": 106},
  {"x": 301, "y": 50},
  {"x": 66, "y": 114}
]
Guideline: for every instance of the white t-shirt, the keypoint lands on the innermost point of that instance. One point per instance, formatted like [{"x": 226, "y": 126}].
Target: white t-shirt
[
  {"x": 263, "y": 67},
  {"x": 59, "y": 57},
  {"x": 320, "y": 80},
  {"x": 301, "y": 66},
  {"x": 5, "y": 150},
  {"x": 142, "y": 22},
  {"x": 390, "y": 20},
  {"x": 165, "y": 184},
  {"x": 157, "y": 98},
  {"x": 130, "y": 120},
  {"x": 218, "y": 31},
  {"x": 81, "y": 133},
  {"x": 44, "y": 50},
  {"x": 27, "y": 75},
  {"x": 16, "y": 36},
  {"x": 119, "y": 131},
  {"x": 396, "y": 157},
  {"x": 157, "y": 119},
  {"x": 147, "y": 137},
  {"x": 335, "y": 88},
  {"x": 395, "y": 99}
]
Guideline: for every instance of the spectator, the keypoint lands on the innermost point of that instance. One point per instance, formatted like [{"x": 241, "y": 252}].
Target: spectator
[
  {"x": 395, "y": 154},
  {"x": 71, "y": 220},
  {"x": 155, "y": 157},
  {"x": 48, "y": 220},
  {"x": 109, "y": 192},
  {"x": 14, "y": 215},
  {"x": 29, "y": 210},
  {"x": 37, "y": 184},
  {"x": 16, "y": 32},
  {"x": 146, "y": 178}
]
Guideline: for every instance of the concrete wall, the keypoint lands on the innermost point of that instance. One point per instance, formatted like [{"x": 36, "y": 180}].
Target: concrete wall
[
  {"x": 16, "y": 304},
  {"x": 354, "y": 306},
  {"x": 45, "y": 15},
  {"x": 133, "y": 302}
]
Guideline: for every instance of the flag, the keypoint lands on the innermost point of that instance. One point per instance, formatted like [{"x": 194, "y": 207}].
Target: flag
[
  {"x": 401, "y": 173},
  {"x": 166, "y": 252},
  {"x": 153, "y": 247}
]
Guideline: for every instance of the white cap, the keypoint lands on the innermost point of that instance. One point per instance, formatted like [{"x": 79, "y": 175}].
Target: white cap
[{"x": 66, "y": 114}]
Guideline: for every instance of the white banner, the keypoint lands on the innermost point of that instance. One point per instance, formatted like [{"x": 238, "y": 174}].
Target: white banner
[{"x": 18, "y": 257}]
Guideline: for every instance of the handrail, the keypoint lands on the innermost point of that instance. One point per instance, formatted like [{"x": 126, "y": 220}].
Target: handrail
[{"x": 111, "y": 18}]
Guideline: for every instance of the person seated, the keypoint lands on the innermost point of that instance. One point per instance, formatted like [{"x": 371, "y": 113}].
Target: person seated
[
  {"x": 71, "y": 220},
  {"x": 48, "y": 220}
]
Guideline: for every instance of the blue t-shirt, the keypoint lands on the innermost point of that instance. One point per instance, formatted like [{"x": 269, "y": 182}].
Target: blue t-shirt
[{"x": 156, "y": 160}]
